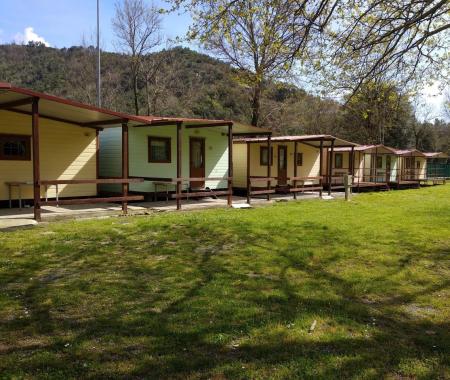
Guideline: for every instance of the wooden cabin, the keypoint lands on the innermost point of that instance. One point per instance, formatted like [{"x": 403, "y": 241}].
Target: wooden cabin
[
  {"x": 372, "y": 166},
  {"x": 284, "y": 164},
  {"x": 49, "y": 150},
  {"x": 177, "y": 157},
  {"x": 412, "y": 167}
]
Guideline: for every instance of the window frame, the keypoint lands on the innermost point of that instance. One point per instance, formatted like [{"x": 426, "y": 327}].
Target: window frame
[
  {"x": 26, "y": 138},
  {"x": 167, "y": 141},
  {"x": 379, "y": 161},
  {"x": 261, "y": 149},
  {"x": 299, "y": 162},
  {"x": 341, "y": 166}
]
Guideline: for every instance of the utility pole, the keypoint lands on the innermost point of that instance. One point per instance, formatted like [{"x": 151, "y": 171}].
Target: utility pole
[{"x": 99, "y": 89}]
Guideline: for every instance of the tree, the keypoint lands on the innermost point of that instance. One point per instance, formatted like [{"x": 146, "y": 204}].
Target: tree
[
  {"x": 379, "y": 114},
  {"x": 259, "y": 37},
  {"x": 137, "y": 27},
  {"x": 406, "y": 42}
]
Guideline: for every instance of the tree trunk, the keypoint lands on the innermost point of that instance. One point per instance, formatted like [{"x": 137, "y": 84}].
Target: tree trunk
[
  {"x": 135, "y": 92},
  {"x": 147, "y": 93},
  {"x": 256, "y": 103}
]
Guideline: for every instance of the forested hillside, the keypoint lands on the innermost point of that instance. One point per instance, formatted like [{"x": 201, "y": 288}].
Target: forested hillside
[{"x": 183, "y": 82}]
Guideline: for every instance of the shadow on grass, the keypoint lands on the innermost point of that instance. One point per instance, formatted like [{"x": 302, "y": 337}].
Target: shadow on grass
[{"x": 199, "y": 311}]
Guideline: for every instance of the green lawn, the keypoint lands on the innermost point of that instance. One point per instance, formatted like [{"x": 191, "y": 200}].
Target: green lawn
[{"x": 228, "y": 294}]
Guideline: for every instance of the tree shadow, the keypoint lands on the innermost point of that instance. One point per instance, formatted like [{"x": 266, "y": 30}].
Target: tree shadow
[{"x": 228, "y": 314}]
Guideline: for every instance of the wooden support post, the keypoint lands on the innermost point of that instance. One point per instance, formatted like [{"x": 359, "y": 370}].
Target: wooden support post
[
  {"x": 125, "y": 165},
  {"x": 375, "y": 166},
  {"x": 230, "y": 164},
  {"x": 321, "y": 164},
  {"x": 249, "y": 186},
  {"x": 269, "y": 164},
  {"x": 330, "y": 170},
  {"x": 97, "y": 158},
  {"x": 295, "y": 168},
  {"x": 359, "y": 167},
  {"x": 179, "y": 171},
  {"x": 352, "y": 164},
  {"x": 36, "y": 160}
]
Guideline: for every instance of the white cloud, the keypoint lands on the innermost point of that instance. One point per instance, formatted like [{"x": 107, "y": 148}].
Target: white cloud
[{"x": 29, "y": 35}]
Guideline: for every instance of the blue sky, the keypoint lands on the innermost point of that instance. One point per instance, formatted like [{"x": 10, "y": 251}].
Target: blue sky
[{"x": 63, "y": 23}]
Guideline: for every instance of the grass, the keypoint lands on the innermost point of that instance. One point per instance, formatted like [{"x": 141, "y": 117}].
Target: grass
[{"x": 232, "y": 294}]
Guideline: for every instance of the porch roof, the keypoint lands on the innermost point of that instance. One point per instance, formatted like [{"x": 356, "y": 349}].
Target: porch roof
[
  {"x": 409, "y": 152},
  {"x": 238, "y": 127},
  {"x": 435, "y": 155},
  {"x": 51, "y": 107},
  {"x": 310, "y": 139},
  {"x": 380, "y": 148},
  {"x": 56, "y": 108}
]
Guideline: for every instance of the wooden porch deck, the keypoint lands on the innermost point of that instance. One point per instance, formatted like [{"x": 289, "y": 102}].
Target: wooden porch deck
[
  {"x": 15, "y": 217},
  {"x": 361, "y": 184}
]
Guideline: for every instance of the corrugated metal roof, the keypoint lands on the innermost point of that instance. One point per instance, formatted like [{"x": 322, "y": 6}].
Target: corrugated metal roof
[
  {"x": 313, "y": 139},
  {"x": 380, "y": 148},
  {"x": 65, "y": 110},
  {"x": 409, "y": 152},
  {"x": 238, "y": 127},
  {"x": 435, "y": 154}
]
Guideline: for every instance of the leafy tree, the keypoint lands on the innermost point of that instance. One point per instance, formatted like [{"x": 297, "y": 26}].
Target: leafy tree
[
  {"x": 406, "y": 42},
  {"x": 380, "y": 114},
  {"x": 259, "y": 37}
]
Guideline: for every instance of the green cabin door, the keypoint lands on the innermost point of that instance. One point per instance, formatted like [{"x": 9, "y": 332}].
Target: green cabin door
[{"x": 197, "y": 160}]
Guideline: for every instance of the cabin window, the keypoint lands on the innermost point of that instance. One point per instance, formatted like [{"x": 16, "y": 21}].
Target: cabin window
[
  {"x": 15, "y": 147},
  {"x": 159, "y": 149},
  {"x": 299, "y": 159},
  {"x": 409, "y": 162},
  {"x": 379, "y": 162},
  {"x": 338, "y": 161},
  {"x": 263, "y": 156},
  {"x": 417, "y": 164}
]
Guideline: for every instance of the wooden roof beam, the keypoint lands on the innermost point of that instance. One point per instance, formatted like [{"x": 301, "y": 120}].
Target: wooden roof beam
[
  {"x": 16, "y": 103},
  {"x": 58, "y": 119},
  {"x": 104, "y": 122},
  {"x": 253, "y": 134},
  {"x": 209, "y": 125},
  {"x": 159, "y": 123}
]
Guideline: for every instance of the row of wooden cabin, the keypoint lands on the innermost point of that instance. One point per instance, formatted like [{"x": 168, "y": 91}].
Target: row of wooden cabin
[
  {"x": 304, "y": 163},
  {"x": 55, "y": 151}
]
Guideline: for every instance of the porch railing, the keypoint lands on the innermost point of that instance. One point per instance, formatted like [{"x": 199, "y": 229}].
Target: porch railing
[
  {"x": 295, "y": 185},
  {"x": 124, "y": 198},
  {"x": 376, "y": 177},
  {"x": 180, "y": 194}
]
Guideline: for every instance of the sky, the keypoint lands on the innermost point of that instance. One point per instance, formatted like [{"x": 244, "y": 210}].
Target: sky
[{"x": 64, "y": 23}]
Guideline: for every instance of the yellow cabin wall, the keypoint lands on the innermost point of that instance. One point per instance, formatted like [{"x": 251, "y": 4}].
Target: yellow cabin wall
[
  {"x": 345, "y": 162},
  {"x": 310, "y": 167},
  {"x": 239, "y": 165},
  {"x": 66, "y": 152},
  {"x": 423, "y": 165}
]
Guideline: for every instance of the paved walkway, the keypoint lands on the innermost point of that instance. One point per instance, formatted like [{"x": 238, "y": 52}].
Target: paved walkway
[{"x": 14, "y": 218}]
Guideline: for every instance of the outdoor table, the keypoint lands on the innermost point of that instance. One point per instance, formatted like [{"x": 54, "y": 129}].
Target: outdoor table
[
  {"x": 165, "y": 185},
  {"x": 19, "y": 185}
]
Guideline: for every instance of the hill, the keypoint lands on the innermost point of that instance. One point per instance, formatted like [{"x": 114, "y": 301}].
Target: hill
[
  {"x": 182, "y": 82},
  {"x": 186, "y": 83}
]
